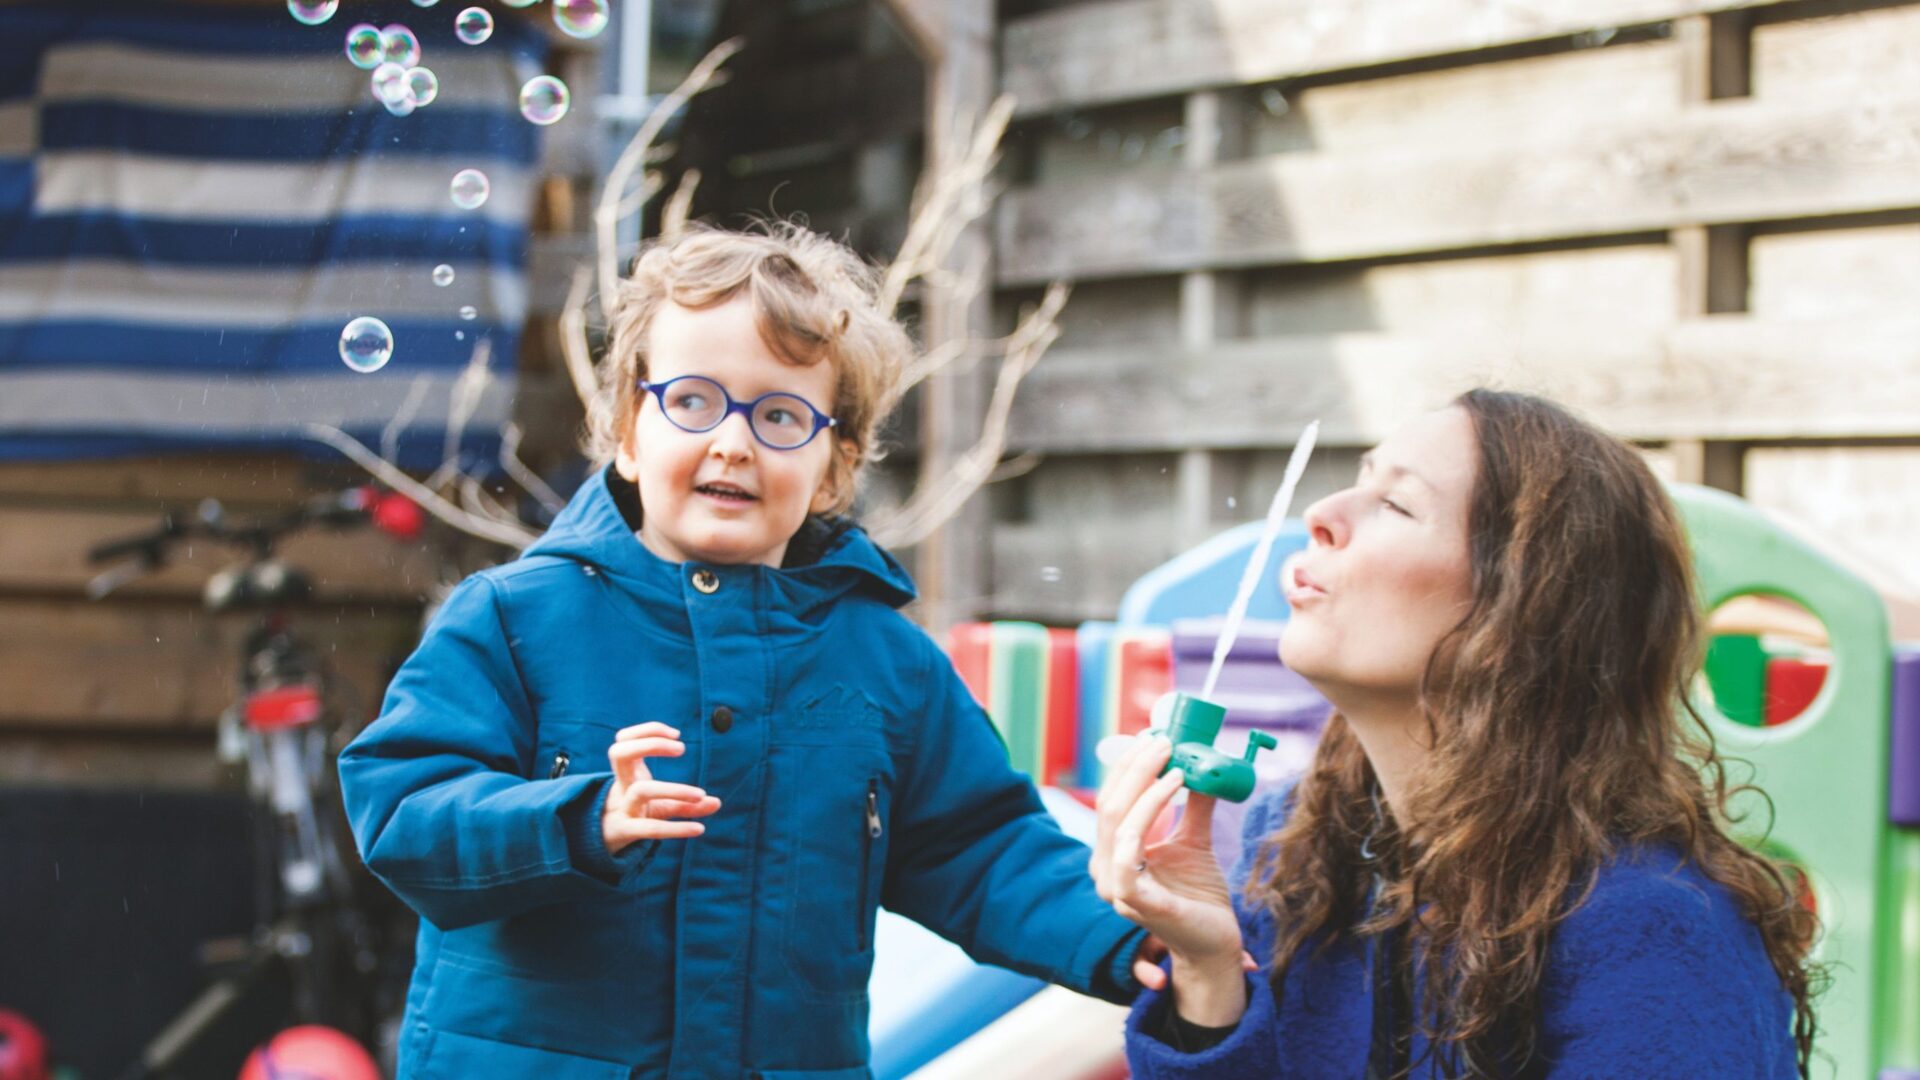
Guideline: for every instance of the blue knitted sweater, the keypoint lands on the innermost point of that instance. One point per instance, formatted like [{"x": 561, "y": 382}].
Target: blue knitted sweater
[{"x": 1657, "y": 975}]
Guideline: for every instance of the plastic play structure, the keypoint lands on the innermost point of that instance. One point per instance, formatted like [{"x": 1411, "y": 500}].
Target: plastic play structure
[{"x": 1829, "y": 717}]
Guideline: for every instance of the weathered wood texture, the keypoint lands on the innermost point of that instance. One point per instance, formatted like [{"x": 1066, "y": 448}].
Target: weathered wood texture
[
  {"x": 166, "y": 666},
  {"x": 1123, "y": 49},
  {"x": 1733, "y": 161}
]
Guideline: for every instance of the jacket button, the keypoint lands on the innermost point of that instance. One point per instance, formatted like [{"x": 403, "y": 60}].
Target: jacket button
[
  {"x": 722, "y": 719},
  {"x": 706, "y": 581}
]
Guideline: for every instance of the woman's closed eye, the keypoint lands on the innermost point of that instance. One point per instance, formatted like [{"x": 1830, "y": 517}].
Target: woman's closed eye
[{"x": 1395, "y": 507}]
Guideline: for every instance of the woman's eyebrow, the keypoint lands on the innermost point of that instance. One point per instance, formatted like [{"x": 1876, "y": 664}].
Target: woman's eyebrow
[{"x": 1368, "y": 461}]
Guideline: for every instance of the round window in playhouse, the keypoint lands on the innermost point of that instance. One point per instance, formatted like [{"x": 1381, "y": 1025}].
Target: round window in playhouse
[{"x": 1768, "y": 659}]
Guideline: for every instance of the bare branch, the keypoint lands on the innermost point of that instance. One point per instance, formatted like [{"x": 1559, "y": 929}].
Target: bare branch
[
  {"x": 928, "y": 509},
  {"x": 954, "y": 197},
  {"x": 606, "y": 215},
  {"x": 390, "y": 435},
  {"x": 573, "y": 337},
  {"x": 512, "y": 536},
  {"x": 673, "y": 218},
  {"x": 510, "y": 437}
]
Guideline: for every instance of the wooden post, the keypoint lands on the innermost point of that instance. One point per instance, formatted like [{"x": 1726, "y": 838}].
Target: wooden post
[
  {"x": 1715, "y": 54},
  {"x": 1212, "y": 305},
  {"x": 956, "y": 39}
]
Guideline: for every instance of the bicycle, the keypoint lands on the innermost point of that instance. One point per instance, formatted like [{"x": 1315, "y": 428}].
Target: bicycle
[{"x": 313, "y": 940}]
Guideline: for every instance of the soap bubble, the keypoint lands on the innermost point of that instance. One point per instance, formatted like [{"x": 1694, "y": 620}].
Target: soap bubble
[
  {"x": 425, "y": 3},
  {"x": 1050, "y": 574},
  {"x": 470, "y": 189},
  {"x": 580, "y": 18},
  {"x": 390, "y": 83},
  {"x": 473, "y": 26},
  {"x": 312, "y": 12},
  {"x": 544, "y": 99},
  {"x": 366, "y": 344},
  {"x": 402, "y": 107},
  {"x": 398, "y": 45},
  {"x": 423, "y": 86},
  {"x": 459, "y": 335},
  {"x": 443, "y": 275},
  {"x": 364, "y": 47},
  {"x": 521, "y": 3},
  {"x": 469, "y": 312}
]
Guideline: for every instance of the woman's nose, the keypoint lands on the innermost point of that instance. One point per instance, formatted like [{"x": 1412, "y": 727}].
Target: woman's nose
[{"x": 1325, "y": 527}]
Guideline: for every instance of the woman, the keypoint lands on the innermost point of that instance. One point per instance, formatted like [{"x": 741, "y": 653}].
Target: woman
[{"x": 1509, "y": 857}]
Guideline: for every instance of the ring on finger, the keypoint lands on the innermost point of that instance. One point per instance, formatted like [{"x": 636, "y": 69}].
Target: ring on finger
[{"x": 1140, "y": 867}]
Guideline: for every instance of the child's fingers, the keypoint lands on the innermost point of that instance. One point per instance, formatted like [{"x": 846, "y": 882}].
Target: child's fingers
[
  {"x": 679, "y": 808},
  {"x": 651, "y": 727},
  {"x": 656, "y": 829},
  {"x": 629, "y": 756},
  {"x": 639, "y": 797},
  {"x": 1150, "y": 974}
]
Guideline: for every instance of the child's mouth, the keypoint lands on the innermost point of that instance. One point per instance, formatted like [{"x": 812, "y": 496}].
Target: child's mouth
[{"x": 727, "y": 493}]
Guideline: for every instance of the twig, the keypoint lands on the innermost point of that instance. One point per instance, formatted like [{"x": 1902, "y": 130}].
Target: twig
[
  {"x": 953, "y": 199},
  {"x": 573, "y": 336},
  {"x": 606, "y": 215},
  {"x": 510, "y": 437},
  {"x": 673, "y": 217},
  {"x": 428, "y": 500}
]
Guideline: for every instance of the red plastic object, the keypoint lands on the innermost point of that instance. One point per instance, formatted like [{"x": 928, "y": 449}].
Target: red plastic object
[
  {"x": 23, "y": 1049},
  {"x": 398, "y": 516},
  {"x": 1146, "y": 672},
  {"x": 1792, "y": 684},
  {"x": 282, "y": 707},
  {"x": 1063, "y": 704},
  {"x": 310, "y": 1052},
  {"x": 971, "y": 646}
]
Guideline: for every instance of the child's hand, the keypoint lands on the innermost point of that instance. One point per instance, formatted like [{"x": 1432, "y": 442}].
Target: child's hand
[{"x": 642, "y": 808}]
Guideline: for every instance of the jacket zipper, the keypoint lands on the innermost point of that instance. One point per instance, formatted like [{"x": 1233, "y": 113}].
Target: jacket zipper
[
  {"x": 560, "y": 762},
  {"x": 866, "y": 859}
]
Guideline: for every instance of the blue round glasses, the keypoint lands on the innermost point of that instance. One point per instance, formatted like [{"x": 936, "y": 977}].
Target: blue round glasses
[{"x": 695, "y": 403}]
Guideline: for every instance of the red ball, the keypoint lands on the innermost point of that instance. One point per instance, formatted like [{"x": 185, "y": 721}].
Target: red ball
[
  {"x": 23, "y": 1050},
  {"x": 398, "y": 516},
  {"x": 310, "y": 1052}
]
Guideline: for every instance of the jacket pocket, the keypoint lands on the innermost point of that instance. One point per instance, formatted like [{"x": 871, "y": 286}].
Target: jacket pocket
[
  {"x": 453, "y": 1056},
  {"x": 832, "y": 808}
]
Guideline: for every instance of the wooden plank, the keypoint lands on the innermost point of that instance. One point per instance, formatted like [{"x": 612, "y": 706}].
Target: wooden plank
[
  {"x": 165, "y": 666},
  {"x": 44, "y": 551},
  {"x": 1835, "y": 273},
  {"x": 174, "y": 480},
  {"x": 1721, "y": 377},
  {"x": 1524, "y": 99},
  {"x": 1854, "y": 498},
  {"x": 1122, "y": 49},
  {"x": 1620, "y": 285},
  {"x": 1723, "y": 163},
  {"x": 1828, "y": 53},
  {"x": 92, "y": 760}
]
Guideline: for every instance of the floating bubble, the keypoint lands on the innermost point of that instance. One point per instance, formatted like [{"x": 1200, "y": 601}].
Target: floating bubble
[
  {"x": 390, "y": 83},
  {"x": 423, "y": 86},
  {"x": 469, "y": 312},
  {"x": 473, "y": 26},
  {"x": 1050, "y": 574},
  {"x": 470, "y": 189},
  {"x": 459, "y": 335},
  {"x": 312, "y": 12},
  {"x": 425, "y": 3},
  {"x": 364, "y": 47},
  {"x": 366, "y": 344},
  {"x": 521, "y": 3},
  {"x": 402, "y": 107},
  {"x": 544, "y": 99},
  {"x": 580, "y": 18},
  {"x": 398, "y": 45},
  {"x": 443, "y": 275}
]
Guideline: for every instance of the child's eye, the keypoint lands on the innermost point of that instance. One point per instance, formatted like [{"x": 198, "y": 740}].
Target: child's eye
[
  {"x": 782, "y": 417},
  {"x": 689, "y": 400}
]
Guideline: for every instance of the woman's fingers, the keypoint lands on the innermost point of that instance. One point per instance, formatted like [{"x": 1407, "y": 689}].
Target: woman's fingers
[
  {"x": 1196, "y": 824},
  {"x": 1131, "y": 776},
  {"x": 1130, "y": 835}
]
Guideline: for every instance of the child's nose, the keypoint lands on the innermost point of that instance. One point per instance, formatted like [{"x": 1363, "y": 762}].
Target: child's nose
[{"x": 733, "y": 439}]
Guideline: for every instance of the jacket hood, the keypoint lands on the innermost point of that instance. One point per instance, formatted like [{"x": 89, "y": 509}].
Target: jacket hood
[{"x": 827, "y": 558}]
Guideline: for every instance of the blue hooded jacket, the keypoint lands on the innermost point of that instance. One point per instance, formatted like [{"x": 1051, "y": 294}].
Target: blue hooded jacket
[{"x": 853, "y": 768}]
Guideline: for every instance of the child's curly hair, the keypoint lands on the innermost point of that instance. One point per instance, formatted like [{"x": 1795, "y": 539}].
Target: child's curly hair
[{"x": 814, "y": 299}]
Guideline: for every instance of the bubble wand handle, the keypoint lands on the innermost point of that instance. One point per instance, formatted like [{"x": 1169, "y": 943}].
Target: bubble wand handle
[{"x": 1276, "y": 517}]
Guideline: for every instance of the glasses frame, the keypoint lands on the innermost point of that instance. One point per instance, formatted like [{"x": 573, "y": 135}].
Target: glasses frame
[{"x": 821, "y": 421}]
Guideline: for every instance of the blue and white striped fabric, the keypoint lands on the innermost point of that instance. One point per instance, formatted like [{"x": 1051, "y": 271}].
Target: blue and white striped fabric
[{"x": 195, "y": 200}]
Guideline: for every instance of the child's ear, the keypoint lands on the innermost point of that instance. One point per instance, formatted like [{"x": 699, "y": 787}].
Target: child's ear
[
  {"x": 625, "y": 462},
  {"x": 828, "y": 493}
]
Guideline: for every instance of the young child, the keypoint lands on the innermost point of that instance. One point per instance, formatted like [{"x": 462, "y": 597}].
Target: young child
[{"x": 647, "y": 784}]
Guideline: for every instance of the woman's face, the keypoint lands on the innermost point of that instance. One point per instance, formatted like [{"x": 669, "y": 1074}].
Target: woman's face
[{"x": 1386, "y": 573}]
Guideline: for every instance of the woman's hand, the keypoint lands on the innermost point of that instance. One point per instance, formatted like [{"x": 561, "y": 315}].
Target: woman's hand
[
  {"x": 1173, "y": 887},
  {"x": 642, "y": 808}
]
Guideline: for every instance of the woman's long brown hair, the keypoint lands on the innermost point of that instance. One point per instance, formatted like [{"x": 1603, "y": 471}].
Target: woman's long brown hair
[{"x": 1561, "y": 732}]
